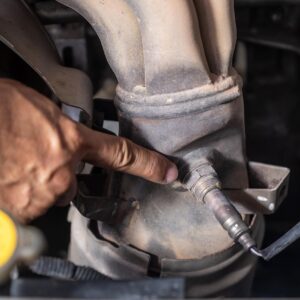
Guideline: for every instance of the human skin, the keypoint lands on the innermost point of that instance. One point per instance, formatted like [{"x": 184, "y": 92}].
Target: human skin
[{"x": 40, "y": 148}]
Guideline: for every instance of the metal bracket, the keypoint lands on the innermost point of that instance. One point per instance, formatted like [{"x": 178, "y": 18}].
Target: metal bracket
[{"x": 268, "y": 188}]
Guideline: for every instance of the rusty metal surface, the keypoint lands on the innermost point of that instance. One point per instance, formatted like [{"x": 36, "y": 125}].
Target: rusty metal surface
[{"x": 21, "y": 31}]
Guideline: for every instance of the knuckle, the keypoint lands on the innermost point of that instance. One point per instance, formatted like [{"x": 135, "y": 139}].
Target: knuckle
[
  {"x": 73, "y": 134},
  {"x": 124, "y": 154},
  {"x": 68, "y": 196},
  {"x": 62, "y": 180}
]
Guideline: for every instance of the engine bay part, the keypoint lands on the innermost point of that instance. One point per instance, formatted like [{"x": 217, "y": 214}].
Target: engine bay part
[{"x": 185, "y": 102}]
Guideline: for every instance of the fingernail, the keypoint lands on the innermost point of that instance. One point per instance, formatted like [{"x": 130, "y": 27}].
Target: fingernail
[{"x": 171, "y": 174}]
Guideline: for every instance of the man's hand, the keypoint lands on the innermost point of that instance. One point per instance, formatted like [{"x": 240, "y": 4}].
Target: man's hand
[{"x": 40, "y": 148}]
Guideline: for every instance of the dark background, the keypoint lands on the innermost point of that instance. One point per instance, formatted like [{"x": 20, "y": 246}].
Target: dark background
[{"x": 270, "y": 31}]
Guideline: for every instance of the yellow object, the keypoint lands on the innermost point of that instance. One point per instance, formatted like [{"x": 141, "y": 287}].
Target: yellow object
[{"x": 8, "y": 238}]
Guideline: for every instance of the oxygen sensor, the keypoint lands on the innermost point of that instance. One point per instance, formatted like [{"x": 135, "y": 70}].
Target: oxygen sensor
[{"x": 204, "y": 184}]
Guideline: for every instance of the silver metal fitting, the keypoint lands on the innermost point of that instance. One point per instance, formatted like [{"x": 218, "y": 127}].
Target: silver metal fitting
[
  {"x": 229, "y": 218},
  {"x": 200, "y": 180},
  {"x": 204, "y": 184}
]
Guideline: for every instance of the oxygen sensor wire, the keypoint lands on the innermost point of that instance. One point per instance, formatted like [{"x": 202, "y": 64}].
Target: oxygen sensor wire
[{"x": 278, "y": 246}]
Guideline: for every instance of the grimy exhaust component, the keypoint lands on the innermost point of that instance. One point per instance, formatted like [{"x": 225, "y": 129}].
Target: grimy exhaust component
[
  {"x": 205, "y": 186},
  {"x": 178, "y": 94}
]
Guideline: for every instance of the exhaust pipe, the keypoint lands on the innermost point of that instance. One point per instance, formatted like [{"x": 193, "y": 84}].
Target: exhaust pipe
[
  {"x": 179, "y": 95},
  {"x": 172, "y": 45},
  {"x": 117, "y": 28}
]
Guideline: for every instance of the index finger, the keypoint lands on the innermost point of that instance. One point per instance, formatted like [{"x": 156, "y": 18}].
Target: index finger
[{"x": 120, "y": 154}]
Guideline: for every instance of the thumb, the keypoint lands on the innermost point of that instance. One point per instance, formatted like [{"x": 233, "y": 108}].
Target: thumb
[{"x": 120, "y": 154}]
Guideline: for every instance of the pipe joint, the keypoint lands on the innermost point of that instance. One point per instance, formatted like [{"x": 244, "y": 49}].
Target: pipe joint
[
  {"x": 172, "y": 105},
  {"x": 200, "y": 180}
]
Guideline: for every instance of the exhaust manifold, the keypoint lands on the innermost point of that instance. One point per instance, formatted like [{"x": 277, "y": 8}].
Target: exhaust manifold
[{"x": 178, "y": 94}]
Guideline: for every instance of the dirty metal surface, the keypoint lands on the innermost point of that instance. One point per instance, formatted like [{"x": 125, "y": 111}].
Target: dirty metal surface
[
  {"x": 169, "y": 222},
  {"x": 165, "y": 107},
  {"x": 91, "y": 249},
  {"x": 268, "y": 188},
  {"x": 224, "y": 268},
  {"x": 120, "y": 36}
]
